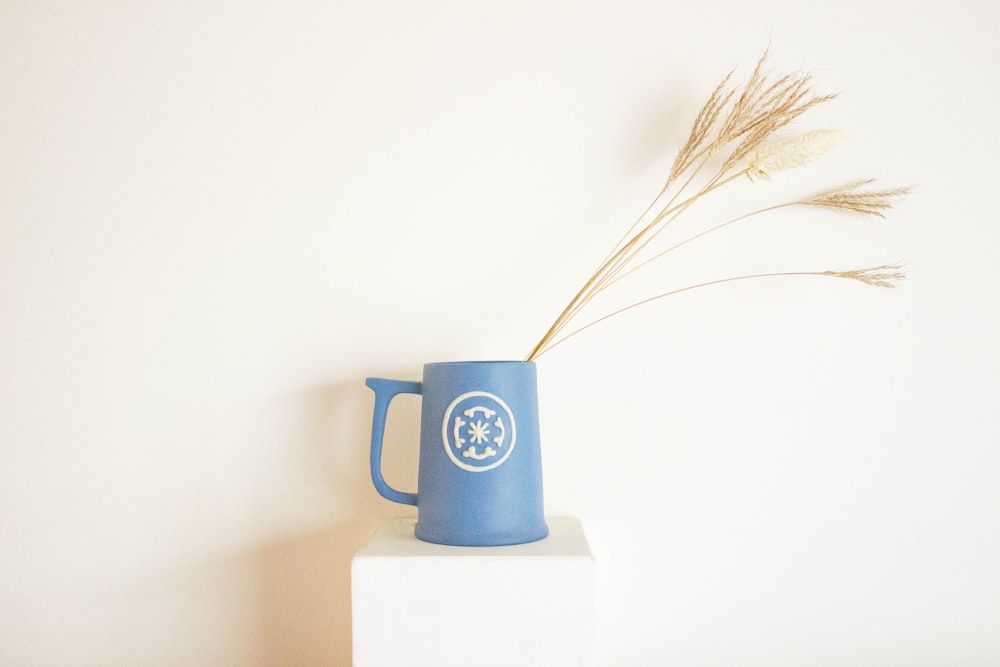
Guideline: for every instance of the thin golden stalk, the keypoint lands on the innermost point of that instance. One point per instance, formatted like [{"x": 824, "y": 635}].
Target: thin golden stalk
[
  {"x": 886, "y": 275},
  {"x": 696, "y": 237},
  {"x": 673, "y": 214},
  {"x": 586, "y": 292},
  {"x": 629, "y": 231},
  {"x": 702, "y": 127},
  {"x": 846, "y": 197}
]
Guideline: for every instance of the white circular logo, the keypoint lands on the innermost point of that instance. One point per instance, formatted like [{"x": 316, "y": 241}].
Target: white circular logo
[{"x": 478, "y": 431}]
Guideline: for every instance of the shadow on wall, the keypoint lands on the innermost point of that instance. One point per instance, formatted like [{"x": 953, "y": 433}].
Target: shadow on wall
[
  {"x": 284, "y": 602},
  {"x": 306, "y": 596},
  {"x": 305, "y": 593}
]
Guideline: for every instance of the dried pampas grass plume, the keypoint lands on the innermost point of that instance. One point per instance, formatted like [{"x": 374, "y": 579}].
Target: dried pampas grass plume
[{"x": 794, "y": 152}]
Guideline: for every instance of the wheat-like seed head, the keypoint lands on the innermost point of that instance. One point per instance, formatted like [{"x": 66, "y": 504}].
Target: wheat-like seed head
[
  {"x": 790, "y": 103},
  {"x": 700, "y": 130},
  {"x": 759, "y": 109},
  {"x": 746, "y": 105},
  {"x": 886, "y": 275},
  {"x": 851, "y": 197}
]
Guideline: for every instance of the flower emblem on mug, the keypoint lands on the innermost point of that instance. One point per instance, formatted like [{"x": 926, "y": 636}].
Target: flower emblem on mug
[{"x": 478, "y": 431}]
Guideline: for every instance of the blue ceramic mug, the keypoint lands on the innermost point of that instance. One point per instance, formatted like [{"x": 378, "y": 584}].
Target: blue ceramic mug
[{"x": 479, "y": 481}]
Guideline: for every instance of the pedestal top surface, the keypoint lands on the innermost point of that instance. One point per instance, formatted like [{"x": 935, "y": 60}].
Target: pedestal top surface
[{"x": 394, "y": 538}]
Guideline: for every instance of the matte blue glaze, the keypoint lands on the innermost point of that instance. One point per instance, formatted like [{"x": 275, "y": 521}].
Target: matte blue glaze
[{"x": 480, "y": 471}]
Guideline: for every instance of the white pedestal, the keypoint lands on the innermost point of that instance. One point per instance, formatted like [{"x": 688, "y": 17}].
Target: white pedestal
[{"x": 416, "y": 603}]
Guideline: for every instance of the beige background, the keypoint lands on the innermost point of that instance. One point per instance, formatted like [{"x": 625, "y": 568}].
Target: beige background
[{"x": 216, "y": 218}]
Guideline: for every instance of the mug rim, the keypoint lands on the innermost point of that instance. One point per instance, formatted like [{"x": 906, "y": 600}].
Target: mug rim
[{"x": 484, "y": 361}]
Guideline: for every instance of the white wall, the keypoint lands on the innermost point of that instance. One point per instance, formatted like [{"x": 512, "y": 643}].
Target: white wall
[{"x": 216, "y": 218}]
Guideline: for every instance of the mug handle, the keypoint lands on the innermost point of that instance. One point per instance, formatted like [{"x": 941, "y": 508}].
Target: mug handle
[{"x": 385, "y": 391}]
